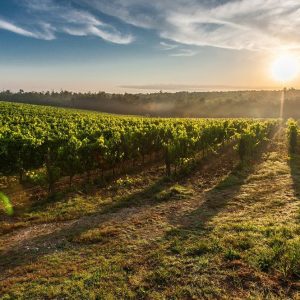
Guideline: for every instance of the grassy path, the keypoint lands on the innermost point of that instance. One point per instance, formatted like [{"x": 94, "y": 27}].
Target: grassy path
[{"x": 222, "y": 232}]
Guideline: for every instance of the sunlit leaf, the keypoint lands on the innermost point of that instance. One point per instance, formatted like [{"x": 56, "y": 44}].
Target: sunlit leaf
[{"x": 7, "y": 204}]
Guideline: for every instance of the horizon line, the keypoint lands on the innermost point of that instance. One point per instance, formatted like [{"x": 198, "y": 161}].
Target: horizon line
[{"x": 172, "y": 89}]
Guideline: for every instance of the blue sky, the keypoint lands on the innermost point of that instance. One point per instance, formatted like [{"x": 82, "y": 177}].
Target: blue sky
[{"x": 124, "y": 45}]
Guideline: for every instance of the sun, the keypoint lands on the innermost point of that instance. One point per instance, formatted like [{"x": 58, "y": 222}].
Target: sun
[{"x": 285, "y": 68}]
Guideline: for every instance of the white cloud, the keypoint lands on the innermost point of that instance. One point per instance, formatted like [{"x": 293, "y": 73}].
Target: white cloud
[
  {"x": 243, "y": 24},
  {"x": 45, "y": 34},
  {"x": 167, "y": 46},
  {"x": 233, "y": 24},
  {"x": 113, "y": 37},
  {"x": 184, "y": 52},
  {"x": 16, "y": 29},
  {"x": 48, "y": 17},
  {"x": 176, "y": 49}
]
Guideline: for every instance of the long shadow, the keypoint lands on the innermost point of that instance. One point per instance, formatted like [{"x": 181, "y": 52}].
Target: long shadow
[
  {"x": 62, "y": 238},
  {"x": 39, "y": 198},
  {"x": 295, "y": 173},
  {"x": 217, "y": 199},
  {"x": 81, "y": 185},
  {"x": 59, "y": 239}
]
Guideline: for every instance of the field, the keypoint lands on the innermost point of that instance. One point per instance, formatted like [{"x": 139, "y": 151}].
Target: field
[{"x": 118, "y": 207}]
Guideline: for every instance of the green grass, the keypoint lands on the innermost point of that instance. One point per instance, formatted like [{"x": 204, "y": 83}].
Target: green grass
[{"x": 147, "y": 237}]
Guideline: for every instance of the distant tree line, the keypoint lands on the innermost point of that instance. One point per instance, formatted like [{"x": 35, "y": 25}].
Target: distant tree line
[{"x": 180, "y": 104}]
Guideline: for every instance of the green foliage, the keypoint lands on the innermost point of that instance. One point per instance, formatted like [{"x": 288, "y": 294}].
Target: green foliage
[
  {"x": 292, "y": 130},
  {"x": 176, "y": 192},
  {"x": 66, "y": 142},
  {"x": 281, "y": 252},
  {"x": 231, "y": 254},
  {"x": 36, "y": 177},
  {"x": 8, "y": 208},
  {"x": 252, "y": 136}
]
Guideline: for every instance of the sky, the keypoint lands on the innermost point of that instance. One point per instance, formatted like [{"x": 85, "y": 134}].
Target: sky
[{"x": 142, "y": 46}]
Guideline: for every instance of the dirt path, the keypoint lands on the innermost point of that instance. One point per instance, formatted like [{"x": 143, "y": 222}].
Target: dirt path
[{"x": 215, "y": 195}]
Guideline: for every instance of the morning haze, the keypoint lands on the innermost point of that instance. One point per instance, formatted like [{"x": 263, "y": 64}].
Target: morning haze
[{"x": 149, "y": 149}]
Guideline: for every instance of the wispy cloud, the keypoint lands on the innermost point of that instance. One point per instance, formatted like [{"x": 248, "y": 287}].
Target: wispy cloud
[
  {"x": 46, "y": 31},
  {"x": 243, "y": 24},
  {"x": 184, "y": 52},
  {"x": 167, "y": 46},
  {"x": 16, "y": 29},
  {"x": 233, "y": 24},
  {"x": 47, "y": 18},
  {"x": 176, "y": 49}
]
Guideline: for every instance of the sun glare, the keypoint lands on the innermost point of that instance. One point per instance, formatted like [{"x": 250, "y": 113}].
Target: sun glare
[{"x": 285, "y": 68}]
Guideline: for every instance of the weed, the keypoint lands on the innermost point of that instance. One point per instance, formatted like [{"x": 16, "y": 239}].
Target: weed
[{"x": 231, "y": 254}]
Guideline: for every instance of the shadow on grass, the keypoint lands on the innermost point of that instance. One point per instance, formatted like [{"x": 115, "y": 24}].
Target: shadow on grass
[
  {"x": 61, "y": 239},
  {"x": 217, "y": 199},
  {"x": 295, "y": 173},
  {"x": 36, "y": 247}
]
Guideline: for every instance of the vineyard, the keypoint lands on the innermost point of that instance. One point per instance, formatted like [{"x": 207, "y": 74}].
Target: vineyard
[
  {"x": 66, "y": 143},
  {"x": 99, "y": 206}
]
